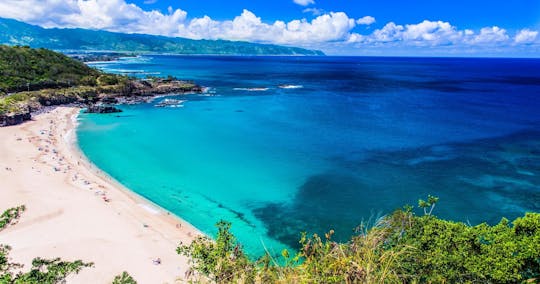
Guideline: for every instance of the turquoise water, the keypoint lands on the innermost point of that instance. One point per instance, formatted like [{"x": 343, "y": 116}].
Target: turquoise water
[{"x": 353, "y": 139}]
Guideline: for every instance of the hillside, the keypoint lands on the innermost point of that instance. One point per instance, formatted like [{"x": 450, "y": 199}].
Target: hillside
[
  {"x": 13, "y": 32},
  {"x": 33, "y": 78},
  {"x": 23, "y": 68}
]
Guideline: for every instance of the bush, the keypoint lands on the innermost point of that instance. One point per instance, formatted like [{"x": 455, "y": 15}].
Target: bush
[
  {"x": 107, "y": 80},
  {"x": 222, "y": 260},
  {"x": 88, "y": 81},
  {"x": 10, "y": 216},
  {"x": 400, "y": 248},
  {"x": 447, "y": 251},
  {"x": 124, "y": 278}
]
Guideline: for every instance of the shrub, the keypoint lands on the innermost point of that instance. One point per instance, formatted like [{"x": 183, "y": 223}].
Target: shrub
[
  {"x": 124, "y": 278},
  {"x": 107, "y": 80},
  {"x": 400, "y": 248}
]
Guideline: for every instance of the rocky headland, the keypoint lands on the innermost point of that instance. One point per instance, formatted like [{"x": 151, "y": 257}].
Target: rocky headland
[
  {"x": 95, "y": 100},
  {"x": 31, "y": 79}
]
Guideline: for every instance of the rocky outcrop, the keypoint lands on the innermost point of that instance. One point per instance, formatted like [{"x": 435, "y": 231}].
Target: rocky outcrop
[
  {"x": 102, "y": 109},
  {"x": 13, "y": 119},
  {"x": 159, "y": 87},
  {"x": 109, "y": 100},
  {"x": 100, "y": 99},
  {"x": 57, "y": 100}
]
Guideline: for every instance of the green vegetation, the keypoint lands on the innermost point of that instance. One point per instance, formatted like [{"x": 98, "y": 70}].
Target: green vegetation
[
  {"x": 10, "y": 216},
  {"x": 124, "y": 278},
  {"x": 44, "y": 77},
  {"x": 452, "y": 252},
  {"x": 25, "y": 69},
  {"x": 32, "y": 78},
  {"x": 401, "y": 248},
  {"x": 43, "y": 271},
  {"x": 18, "y": 33}
]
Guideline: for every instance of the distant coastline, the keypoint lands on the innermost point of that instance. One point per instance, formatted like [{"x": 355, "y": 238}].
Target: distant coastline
[{"x": 83, "y": 39}]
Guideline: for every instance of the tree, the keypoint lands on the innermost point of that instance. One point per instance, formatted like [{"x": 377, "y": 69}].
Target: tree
[{"x": 430, "y": 203}]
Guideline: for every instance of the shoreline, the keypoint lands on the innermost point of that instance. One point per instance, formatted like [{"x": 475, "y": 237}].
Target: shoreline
[
  {"x": 139, "y": 199},
  {"x": 77, "y": 211}
]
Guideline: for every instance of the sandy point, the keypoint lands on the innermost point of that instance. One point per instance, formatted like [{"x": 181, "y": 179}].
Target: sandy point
[{"x": 75, "y": 211}]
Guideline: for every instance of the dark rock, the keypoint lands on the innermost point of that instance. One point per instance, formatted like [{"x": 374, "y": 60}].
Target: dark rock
[
  {"x": 102, "y": 109},
  {"x": 109, "y": 100},
  {"x": 56, "y": 100},
  {"x": 146, "y": 83},
  {"x": 159, "y": 87},
  {"x": 7, "y": 120}
]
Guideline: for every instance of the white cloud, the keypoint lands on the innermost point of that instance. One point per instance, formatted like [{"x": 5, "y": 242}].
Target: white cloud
[
  {"x": 247, "y": 26},
  {"x": 489, "y": 35},
  {"x": 114, "y": 15},
  {"x": 328, "y": 29},
  {"x": 390, "y": 32},
  {"x": 355, "y": 37},
  {"x": 424, "y": 33},
  {"x": 314, "y": 11},
  {"x": 367, "y": 20},
  {"x": 437, "y": 33},
  {"x": 525, "y": 36},
  {"x": 119, "y": 16},
  {"x": 304, "y": 2},
  {"x": 431, "y": 33},
  {"x": 149, "y": 1}
]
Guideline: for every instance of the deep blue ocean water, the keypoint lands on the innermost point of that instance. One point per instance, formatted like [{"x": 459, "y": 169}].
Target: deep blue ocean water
[{"x": 281, "y": 145}]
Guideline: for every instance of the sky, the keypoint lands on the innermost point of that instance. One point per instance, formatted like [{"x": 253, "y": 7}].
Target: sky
[{"x": 337, "y": 27}]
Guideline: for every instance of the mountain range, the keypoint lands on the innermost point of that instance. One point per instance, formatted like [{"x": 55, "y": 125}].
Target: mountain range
[{"x": 13, "y": 32}]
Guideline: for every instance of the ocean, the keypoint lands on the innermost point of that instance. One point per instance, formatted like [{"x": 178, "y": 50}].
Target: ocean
[{"x": 284, "y": 145}]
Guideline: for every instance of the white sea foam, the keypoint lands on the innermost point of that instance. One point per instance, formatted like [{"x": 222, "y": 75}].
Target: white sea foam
[
  {"x": 208, "y": 91},
  {"x": 173, "y": 103},
  {"x": 291, "y": 86},
  {"x": 150, "y": 208},
  {"x": 136, "y": 59},
  {"x": 252, "y": 89}
]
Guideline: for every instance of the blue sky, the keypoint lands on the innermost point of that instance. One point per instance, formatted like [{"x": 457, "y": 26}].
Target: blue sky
[
  {"x": 465, "y": 13},
  {"x": 341, "y": 27}
]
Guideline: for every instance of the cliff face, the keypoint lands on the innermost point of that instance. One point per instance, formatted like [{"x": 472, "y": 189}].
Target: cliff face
[
  {"x": 98, "y": 100},
  {"x": 7, "y": 120},
  {"x": 159, "y": 87}
]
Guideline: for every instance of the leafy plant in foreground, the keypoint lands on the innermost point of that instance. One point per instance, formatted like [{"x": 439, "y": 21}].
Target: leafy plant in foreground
[
  {"x": 10, "y": 216},
  {"x": 43, "y": 271},
  {"x": 222, "y": 260},
  {"x": 430, "y": 203},
  {"x": 124, "y": 278},
  {"x": 454, "y": 252},
  {"x": 400, "y": 248},
  {"x": 320, "y": 260}
]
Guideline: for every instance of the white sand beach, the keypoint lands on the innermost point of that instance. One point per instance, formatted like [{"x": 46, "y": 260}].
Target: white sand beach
[{"x": 74, "y": 211}]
